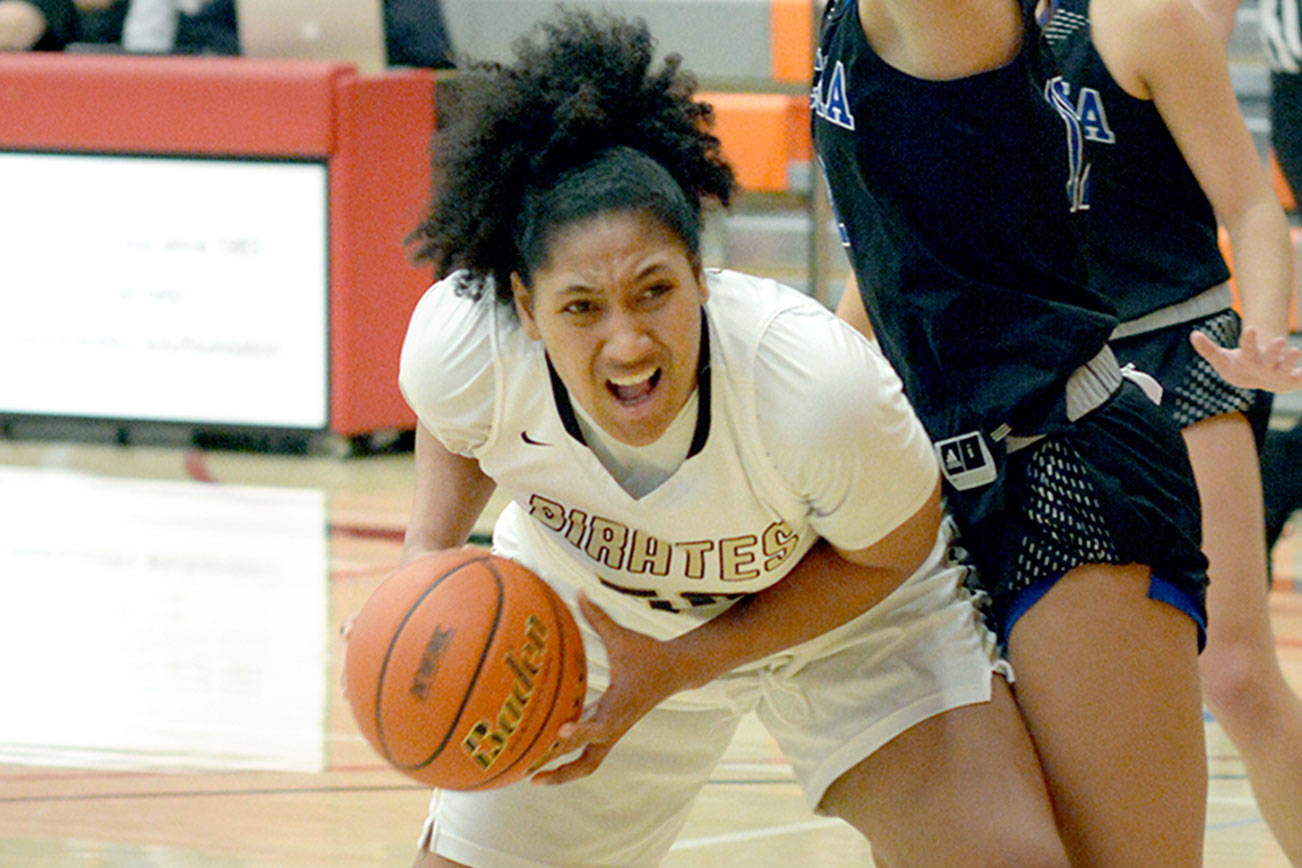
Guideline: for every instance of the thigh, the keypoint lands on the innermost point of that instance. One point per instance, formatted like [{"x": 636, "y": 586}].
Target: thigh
[
  {"x": 627, "y": 813},
  {"x": 927, "y": 797},
  {"x": 1229, "y": 483},
  {"x": 1107, "y": 680}
]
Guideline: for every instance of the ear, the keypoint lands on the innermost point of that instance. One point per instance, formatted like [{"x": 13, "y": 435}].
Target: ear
[
  {"x": 524, "y": 307},
  {"x": 703, "y": 285}
]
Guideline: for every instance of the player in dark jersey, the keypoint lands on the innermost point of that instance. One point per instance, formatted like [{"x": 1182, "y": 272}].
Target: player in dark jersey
[
  {"x": 1151, "y": 87},
  {"x": 955, "y": 183}
]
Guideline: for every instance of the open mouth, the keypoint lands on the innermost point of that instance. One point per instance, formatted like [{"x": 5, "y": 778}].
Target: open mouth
[{"x": 633, "y": 388}]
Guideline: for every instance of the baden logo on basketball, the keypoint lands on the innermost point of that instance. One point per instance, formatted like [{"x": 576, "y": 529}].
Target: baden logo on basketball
[
  {"x": 484, "y": 742},
  {"x": 429, "y": 663}
]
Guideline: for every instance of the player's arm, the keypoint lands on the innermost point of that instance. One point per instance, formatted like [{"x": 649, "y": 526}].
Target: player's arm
[
  {"x": 827, "y": 588},
  {"x": 450, "y": 492},
  {"x": 1166, "y": 50},
  {"x": 851, "y": 308},
  {"x": 446, "y": 376}
]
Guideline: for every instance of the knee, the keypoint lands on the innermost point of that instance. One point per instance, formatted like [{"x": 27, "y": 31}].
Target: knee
[{"x": 1236, "y": 684}]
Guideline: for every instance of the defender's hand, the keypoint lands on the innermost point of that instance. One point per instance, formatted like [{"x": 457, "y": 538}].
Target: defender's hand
[{"x": 1273, "y": 367}]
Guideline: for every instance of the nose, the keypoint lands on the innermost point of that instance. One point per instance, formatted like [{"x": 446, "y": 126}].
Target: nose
[{"x": 628, "y": 341}]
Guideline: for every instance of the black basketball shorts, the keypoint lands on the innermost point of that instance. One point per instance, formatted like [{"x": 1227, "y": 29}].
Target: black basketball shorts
[{"x": 1114, "y": 487}]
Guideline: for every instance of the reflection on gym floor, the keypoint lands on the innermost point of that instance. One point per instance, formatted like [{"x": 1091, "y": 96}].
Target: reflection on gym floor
[{"x": 162, "y": 623}]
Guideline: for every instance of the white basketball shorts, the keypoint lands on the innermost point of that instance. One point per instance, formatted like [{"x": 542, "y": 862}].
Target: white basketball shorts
[{"x": 829, "y": 703}]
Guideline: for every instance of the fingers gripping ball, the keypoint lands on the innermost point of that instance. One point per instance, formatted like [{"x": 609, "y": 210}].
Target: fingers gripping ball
[{"x": 461, "y": 667}]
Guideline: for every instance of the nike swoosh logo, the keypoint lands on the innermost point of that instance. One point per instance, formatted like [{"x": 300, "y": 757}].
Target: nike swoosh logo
[{"x": 524, "y": 435}]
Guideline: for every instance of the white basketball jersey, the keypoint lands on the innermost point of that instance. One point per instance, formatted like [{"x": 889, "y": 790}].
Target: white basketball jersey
[{"x": 726, "y": 523}]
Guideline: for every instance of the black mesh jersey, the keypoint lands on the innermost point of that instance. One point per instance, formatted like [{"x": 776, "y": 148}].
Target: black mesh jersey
[
  {"x": 1151, "y": 231},
  {"x": 954, "y": 200}
]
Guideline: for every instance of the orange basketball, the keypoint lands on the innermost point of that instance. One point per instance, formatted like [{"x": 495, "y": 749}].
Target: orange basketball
[{"x": 461, "y": 667}]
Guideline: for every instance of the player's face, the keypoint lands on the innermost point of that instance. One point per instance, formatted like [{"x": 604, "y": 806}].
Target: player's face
[{"x": 618, "y": 306}]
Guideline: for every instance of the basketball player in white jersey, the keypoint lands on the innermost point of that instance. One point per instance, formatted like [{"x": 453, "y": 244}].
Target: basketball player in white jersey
[{"x": 721, "y": 477}]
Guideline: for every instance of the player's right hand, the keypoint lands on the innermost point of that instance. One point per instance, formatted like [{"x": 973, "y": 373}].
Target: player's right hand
[{"x": 642, "y": 675}]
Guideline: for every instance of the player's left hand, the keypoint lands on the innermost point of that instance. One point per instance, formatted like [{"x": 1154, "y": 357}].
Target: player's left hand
[
  {"x": 1273, "y": 367},
  {"x": 642, "y": 674}
]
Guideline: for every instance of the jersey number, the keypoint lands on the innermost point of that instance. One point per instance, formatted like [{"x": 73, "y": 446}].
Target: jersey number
[{"x": 1057, "y": 92}]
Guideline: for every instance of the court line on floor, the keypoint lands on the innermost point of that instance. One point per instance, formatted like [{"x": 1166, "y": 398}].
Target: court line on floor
[
  {"x": 358, "y": 531},
  {"x": 183, "y": 794},
  {"x": 348, "y": 574},
  {"x": 70, "y": 775},
  {"x": 197, "y": 469},
  {"x": 275, "y": 791},
  {"x": 1234, "y": 824}
]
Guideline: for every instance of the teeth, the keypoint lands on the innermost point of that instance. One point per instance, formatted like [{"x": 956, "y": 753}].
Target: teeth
[{"x": 632, "y": 380}]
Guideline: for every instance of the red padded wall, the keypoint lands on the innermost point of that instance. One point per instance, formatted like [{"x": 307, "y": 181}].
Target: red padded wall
[
  {"x": 379, "y": 185},
  {"x": 208, "y": 105}
]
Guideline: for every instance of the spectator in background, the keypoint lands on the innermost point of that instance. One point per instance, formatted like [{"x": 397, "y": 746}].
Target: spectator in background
[
  {"x": 415, "y": 33},
  {"x": 210, "y": 30},
  {"x": 37, "y": 25},
  {"x": 99, "y": 22},
  {"x": 150, "y": 25},
  {"x": 53, "y": 25}
]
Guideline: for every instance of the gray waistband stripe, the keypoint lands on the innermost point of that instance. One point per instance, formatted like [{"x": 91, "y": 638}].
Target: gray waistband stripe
[
  {"x": 1013, "y": 444},
  {"x": 1088, "y": 387},
  {"x": 1206, "y": 303},
  {"x": 1092, "y": 383}
]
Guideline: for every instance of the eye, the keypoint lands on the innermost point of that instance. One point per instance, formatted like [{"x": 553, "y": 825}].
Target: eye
[
  {"x": 656, "y": 291},
  {"x": 579, "y": 307}
]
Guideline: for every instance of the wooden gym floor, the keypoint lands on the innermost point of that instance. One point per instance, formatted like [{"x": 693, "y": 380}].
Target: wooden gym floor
[{"x": 169, "y": 683}]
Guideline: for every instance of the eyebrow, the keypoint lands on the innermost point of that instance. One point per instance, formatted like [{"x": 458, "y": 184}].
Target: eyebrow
[{"x": 579, "y": 288}]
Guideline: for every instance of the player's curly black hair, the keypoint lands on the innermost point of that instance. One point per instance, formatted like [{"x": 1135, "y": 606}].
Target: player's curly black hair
[{"x": 585, "y": 87}]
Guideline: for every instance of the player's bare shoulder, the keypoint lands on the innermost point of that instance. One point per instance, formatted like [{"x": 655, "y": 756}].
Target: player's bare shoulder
[{"x": 1135, "y": 37}]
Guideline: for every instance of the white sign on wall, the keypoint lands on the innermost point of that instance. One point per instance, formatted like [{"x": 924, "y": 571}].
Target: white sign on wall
[{"x": 164, "y": 289}]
